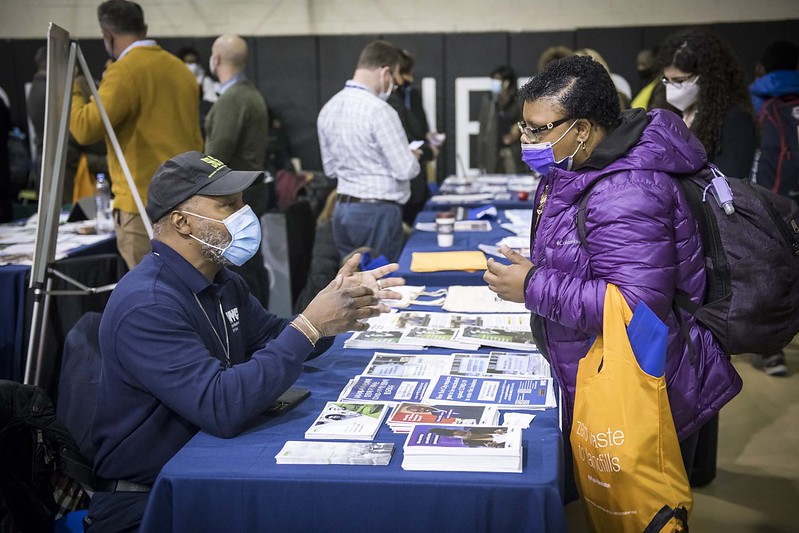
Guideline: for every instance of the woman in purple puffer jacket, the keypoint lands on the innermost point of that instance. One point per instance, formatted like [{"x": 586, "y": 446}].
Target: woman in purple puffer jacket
[{"x": 640, "y": 233}]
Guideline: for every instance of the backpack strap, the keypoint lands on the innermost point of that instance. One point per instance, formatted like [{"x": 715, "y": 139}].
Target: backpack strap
[
  {"x": 581, "y": 213},
  {"x": 663, "y": 516}
]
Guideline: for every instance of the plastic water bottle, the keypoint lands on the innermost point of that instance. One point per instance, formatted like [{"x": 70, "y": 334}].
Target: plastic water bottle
[{"x": 102, "y": 201}]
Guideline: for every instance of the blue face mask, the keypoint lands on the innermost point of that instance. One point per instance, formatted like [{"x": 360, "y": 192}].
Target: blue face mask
[
  {"x": 245, "y": 235},
  {"x": 540, "y": 157}
]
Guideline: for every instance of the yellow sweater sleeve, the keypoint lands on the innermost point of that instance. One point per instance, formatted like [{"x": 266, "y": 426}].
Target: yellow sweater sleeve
[{"x": 86, "y": 123}]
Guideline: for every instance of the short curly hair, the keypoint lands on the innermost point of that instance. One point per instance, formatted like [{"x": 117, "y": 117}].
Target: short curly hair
[
  {"x": 581, "y": 86},
  {"x": 721, "y": 80}
]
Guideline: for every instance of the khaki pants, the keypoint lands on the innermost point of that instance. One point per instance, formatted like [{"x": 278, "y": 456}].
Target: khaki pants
[{"x": 133, "y": 242}]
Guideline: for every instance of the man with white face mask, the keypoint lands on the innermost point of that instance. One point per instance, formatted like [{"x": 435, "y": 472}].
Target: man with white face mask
[
  {"x": 364, "y": 145},
  {"x": 185, "y": 347}
]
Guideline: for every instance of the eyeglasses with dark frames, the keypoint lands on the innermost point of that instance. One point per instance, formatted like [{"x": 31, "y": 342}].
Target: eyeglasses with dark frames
[{"x": 532, "y": 132}]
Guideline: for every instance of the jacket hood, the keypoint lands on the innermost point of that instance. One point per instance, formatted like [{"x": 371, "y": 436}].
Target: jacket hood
[
  {"x": 658, "y": 140},
  {"x": 776, "y": 83}
]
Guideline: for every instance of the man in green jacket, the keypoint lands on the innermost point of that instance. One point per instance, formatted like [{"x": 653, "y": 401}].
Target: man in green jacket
[{"x": 236, "y": 131}]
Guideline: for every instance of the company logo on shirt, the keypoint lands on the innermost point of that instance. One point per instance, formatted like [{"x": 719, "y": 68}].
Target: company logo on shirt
[
  {"x": 567, "y": 242},
  {"x": 233, "y": 317}
]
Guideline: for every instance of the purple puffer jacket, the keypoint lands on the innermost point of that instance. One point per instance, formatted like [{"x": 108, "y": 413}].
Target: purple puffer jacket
[{"x": 641, "y": 237}]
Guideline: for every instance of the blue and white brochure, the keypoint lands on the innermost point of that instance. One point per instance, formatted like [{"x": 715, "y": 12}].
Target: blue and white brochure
[
  {"x": 505, "y": 393},
  {"x": 384, "y": 389}
]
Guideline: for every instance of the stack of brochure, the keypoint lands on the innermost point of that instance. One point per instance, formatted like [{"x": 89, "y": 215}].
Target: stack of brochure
[
  {"x": 463, "y": 448},
  {"x": 335, "y": 453},
  {"x": 407, "y": 414},
  {"x": 348, "y": 421}
]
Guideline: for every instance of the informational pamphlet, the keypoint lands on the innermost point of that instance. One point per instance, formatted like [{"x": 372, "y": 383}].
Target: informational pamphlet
[
  {"x": 409, "y": 365},
  {"x": 508, "y": 338},
  {"x": 378, "y": 389},
  {"x": 436, "y": 336},
  {"x": 348, "y": 421},
  {"x": 335, "y": 453},
  {"x": 380, "y": 339},
  {"x": 480, "y": 299},
  {"x": 407, "y": 414},
  {"x": 516, "y": 364},
  {"x": 505, "y": 393}
]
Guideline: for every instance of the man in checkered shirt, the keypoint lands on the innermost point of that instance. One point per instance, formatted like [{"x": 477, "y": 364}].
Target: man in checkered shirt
[{"x": 364, "y": 145}]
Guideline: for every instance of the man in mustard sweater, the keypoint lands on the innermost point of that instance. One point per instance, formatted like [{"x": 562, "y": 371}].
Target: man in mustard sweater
[{"x": 151, "y": 99}]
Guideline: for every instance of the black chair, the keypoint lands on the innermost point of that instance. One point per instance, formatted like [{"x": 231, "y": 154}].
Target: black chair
[{"x": 77, "y": 386}]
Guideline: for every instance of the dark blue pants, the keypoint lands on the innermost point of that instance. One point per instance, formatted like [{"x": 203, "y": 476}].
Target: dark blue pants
[
  {"x": 376, "y": 225},
  {"x": 115, "y": 512}
]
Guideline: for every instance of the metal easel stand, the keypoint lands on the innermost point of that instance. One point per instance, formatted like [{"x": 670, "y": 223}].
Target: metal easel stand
[{"x": 52, "y": 183}]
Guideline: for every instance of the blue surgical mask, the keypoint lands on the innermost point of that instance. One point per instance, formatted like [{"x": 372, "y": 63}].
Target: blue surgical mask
[
  {"x": 540, "y": 157},
  {"x": 245, "y": 235},
  {"x": 496, "y": 86}
]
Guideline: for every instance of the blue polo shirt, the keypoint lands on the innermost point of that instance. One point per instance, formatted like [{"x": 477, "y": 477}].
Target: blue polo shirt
[{"x": 166, "y": 336}]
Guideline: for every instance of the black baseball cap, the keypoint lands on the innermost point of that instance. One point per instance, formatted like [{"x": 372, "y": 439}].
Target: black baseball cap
[{"x": 189, "y": 174}]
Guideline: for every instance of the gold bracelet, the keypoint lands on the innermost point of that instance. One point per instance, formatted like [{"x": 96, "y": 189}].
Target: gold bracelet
[
  {"x": 295, "y": 326},
  {"x": 315, "y": 331}
]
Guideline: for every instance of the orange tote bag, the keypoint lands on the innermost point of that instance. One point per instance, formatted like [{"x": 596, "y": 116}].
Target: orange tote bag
[{"x": 627, "y": 460}]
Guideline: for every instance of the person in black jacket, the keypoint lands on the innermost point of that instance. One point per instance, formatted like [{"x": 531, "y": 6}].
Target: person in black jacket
[{"x": 407, "y": 102}]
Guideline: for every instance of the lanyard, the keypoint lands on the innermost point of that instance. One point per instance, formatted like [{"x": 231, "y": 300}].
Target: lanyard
[{"x": 226, "y": 345}]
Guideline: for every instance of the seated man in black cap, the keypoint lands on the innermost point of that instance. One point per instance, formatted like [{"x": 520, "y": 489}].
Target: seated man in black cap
[{"x": 185, "y": 347}]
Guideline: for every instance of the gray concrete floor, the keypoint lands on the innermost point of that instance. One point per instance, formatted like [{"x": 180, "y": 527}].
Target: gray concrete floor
[{"x": 757, "y": 483}]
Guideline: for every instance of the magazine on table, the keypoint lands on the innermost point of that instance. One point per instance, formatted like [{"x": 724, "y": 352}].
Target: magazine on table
[
  {"x": 378, "y": 389},
  {"x": 463, "y": 448},
  {"x": 503, "y": 392},
  {"x": 516, "y": 364},
  {"x": 409, "y": 365},
  {"x": 335, "y": 453},
  {"x": 348, "y": 421},
  {"x": 407, "y": 414}
]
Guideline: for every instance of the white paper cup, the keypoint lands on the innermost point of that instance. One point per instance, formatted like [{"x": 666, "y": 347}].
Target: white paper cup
[{"x": 445, "y": 228}]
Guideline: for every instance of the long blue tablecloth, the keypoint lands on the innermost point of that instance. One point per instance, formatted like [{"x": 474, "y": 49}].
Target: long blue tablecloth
[
  {"x": 14, "y": 280},
  {"x": 215, "y": 484},
  {"x": 426, "y": 241}
]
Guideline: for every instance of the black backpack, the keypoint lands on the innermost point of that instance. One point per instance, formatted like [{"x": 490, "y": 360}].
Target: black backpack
[
  {"x": 776, "y": 167},
  {"x": 751, "y": 300}
]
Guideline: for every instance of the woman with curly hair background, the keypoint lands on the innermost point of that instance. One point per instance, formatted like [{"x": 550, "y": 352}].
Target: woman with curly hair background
[{"x": 704, "y": 81}]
